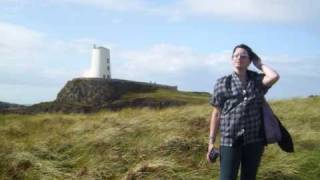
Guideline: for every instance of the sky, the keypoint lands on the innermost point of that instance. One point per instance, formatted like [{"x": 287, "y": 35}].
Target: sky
[{"x": 185, "y": 43}]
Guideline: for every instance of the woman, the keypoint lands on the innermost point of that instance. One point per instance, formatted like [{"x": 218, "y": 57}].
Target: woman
[{"x": 237, "y": 100}]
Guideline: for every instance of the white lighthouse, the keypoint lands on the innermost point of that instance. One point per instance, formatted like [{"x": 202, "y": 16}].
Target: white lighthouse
[{"x": 100, "y": 62}]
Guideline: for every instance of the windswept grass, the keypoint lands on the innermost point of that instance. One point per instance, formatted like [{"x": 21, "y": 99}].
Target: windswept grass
[
  {"x": 145, "y": 143},
  {"x": 167, "y": 94}
]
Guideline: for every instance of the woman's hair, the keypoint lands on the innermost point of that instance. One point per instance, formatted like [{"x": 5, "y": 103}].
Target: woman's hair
[{"x": 252, "y": 55}]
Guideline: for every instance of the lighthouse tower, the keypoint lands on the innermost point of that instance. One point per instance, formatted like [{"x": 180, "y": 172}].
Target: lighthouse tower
[{"x": 100, "y": 63}]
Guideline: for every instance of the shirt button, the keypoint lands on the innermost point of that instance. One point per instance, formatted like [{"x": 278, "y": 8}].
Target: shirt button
[{"x": 242, "y": 130}]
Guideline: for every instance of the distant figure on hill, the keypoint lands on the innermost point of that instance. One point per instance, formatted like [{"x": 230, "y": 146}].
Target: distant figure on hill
[{"x": 237, "y": 100}]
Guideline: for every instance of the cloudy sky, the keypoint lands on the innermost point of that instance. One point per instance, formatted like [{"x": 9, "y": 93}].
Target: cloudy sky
[{"x": 188, "y": 43}]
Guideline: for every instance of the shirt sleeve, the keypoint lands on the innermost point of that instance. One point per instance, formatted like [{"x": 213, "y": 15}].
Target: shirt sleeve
[
  {"x": 217, "y": 99},
  {"x": 263, "y": 88}
]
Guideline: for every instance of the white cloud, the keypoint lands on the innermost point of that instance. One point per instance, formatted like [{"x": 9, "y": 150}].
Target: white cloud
[
  {"x": 87, "y": 73},
  {"x": 164, "y": 59},
  {"x": 26, "y": 51},
  {"x": 14, "y": 4},
  {"x": 302, "y": 67},
  {"x": 173, "y": 60},
  {"x": 118, "y": 5},
  {"x": 288, "y": 11},
  {"x": 18, "y": 42},
  {"x": 28, "y": 55},
  {"x": 284, "y": 11},
  {"x": 29, "y": 58},
  {"x": 252, "y": 10},
  {"x": 272, "y": 11}
]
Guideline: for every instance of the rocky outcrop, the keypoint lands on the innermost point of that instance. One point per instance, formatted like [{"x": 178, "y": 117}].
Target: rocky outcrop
[
  {"x": 98, "y": 91},
  {"x": 86, "y": 95}
]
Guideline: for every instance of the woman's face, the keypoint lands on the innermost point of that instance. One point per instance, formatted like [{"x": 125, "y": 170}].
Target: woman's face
[{"x": 240, "y": 59}]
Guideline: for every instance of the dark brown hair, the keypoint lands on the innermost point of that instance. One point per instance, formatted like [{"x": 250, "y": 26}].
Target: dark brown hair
[{"x": 252, "y": 55}]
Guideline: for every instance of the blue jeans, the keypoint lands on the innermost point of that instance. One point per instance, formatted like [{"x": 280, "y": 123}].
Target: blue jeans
[{"x": 248, "y": 156}]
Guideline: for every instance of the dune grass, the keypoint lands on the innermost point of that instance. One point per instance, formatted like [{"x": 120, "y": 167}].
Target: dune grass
[{"x": 145, "y": 144}]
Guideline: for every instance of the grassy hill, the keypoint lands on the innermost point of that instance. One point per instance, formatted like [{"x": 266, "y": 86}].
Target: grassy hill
[
  {"x": 162, "y": 96},
  {"x": 145, "y": 143},
  {"x": 4, "y": 105},
  {"x": 155, "y": 98}
]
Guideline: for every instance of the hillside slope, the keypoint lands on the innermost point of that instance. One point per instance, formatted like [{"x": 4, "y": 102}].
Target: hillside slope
[
  {"x": 5, "y": 105},
  {"x": 87, "y": 95},
  {"x": 145, "y": 143}
]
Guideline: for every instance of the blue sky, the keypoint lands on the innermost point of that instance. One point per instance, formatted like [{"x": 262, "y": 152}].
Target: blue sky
[{"x": 188, "y": 43}]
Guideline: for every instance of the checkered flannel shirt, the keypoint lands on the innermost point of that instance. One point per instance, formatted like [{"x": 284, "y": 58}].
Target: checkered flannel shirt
[{"x": 240, "y": 107}]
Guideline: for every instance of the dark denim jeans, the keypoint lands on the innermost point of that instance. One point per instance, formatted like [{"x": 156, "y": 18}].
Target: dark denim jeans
[{"x": 248, "y": 156}]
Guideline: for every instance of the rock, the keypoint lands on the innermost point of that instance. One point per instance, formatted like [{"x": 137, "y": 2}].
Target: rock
[{"x": 98, "y": 91}]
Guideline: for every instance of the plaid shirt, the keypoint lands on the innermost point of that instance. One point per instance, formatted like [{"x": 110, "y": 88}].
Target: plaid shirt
[{"x": 240, "y": 105}]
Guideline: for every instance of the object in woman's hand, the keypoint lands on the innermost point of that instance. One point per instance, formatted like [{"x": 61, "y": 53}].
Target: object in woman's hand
[{"x": 213, "y": 155}]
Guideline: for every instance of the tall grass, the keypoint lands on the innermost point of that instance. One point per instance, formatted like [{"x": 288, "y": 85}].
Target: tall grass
[{"x": 145, "y": 143}]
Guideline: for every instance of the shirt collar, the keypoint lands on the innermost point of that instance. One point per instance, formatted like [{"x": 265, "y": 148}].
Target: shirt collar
[{"x": 249, "y": 75}]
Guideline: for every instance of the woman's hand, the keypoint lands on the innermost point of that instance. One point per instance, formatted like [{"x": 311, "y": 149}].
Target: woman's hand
[
  {"x": 210, "y": 146},
  {"x": 271, "y": 76},
  {"x": 214, "y": 124},
  {"x": 256, "y": 60}
]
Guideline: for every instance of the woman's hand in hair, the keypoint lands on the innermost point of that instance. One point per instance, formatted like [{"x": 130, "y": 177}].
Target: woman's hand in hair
[
  {"x": 271, "y": 76},
  {"x": 256, "y": 60}
]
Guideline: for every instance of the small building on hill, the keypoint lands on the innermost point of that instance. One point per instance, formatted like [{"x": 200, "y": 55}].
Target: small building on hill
[{"x": 100, "y": 63}]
